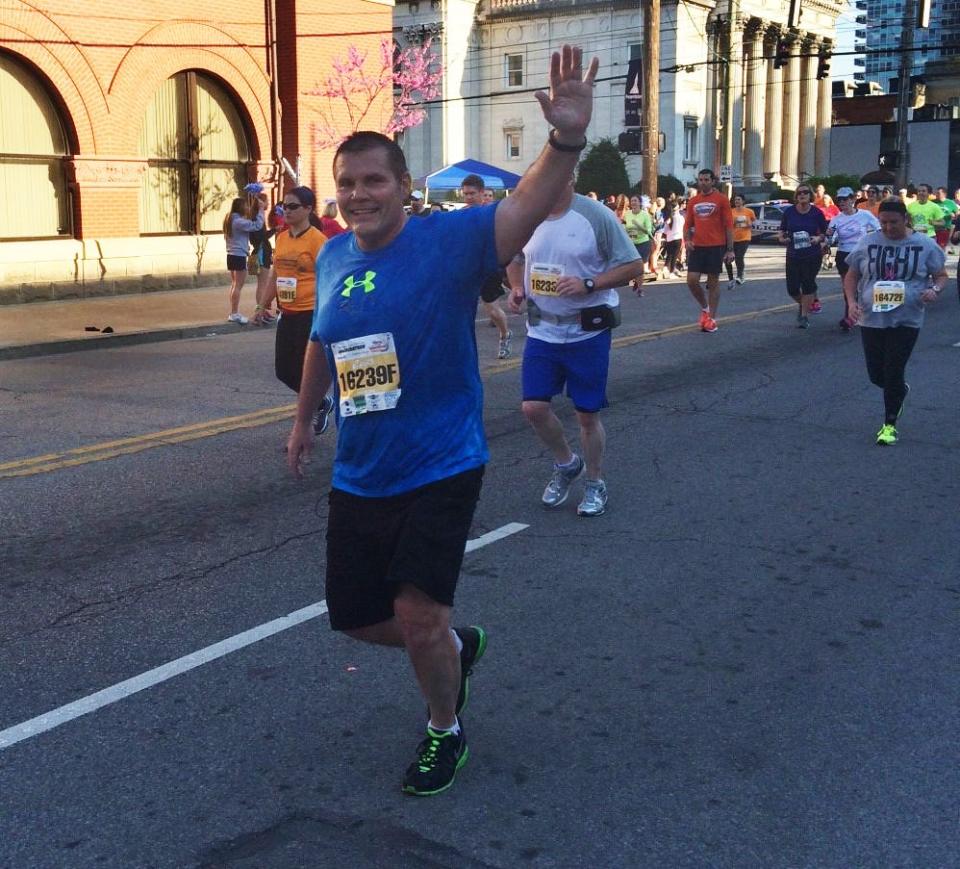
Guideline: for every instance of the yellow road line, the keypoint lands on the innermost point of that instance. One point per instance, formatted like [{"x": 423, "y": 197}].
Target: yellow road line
[
  {"x": 196, "y": 431},
  {"x": 639, "y": 337},
  {"x": 126, "y": 446}
]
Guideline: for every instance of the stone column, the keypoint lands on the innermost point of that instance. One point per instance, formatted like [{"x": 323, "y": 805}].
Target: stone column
[
  {"x": 824, "y": 123},
  {"x": 736, "y": 116},
  {"x": 809, "y": 87},
  {"x": 755, "y": 98},
  {"x": 773, "y": 133},
  {"x": 790, "y": 149}
]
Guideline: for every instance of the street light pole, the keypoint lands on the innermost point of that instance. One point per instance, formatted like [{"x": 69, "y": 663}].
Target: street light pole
[{"x": 650, "y": 122}]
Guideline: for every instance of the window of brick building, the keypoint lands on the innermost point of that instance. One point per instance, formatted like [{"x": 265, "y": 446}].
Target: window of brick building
[
  {"x": 197, "y": 153},
  {"x": 32, "y": 149}
]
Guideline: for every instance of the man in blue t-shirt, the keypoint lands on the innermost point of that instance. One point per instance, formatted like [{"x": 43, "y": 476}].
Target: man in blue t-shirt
[{"x": 394, "y": 332}]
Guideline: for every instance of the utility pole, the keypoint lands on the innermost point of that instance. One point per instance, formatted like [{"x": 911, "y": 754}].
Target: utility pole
[
  {"x": 903, "y": 92},
  {"x": 650, "y": 122},
  {"x": 731, "y": 54}
]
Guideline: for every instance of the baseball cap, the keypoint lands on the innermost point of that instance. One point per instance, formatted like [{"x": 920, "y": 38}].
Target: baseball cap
[
  {"x": 416, "y": 194},
  {"x": 844, "y": 193}
]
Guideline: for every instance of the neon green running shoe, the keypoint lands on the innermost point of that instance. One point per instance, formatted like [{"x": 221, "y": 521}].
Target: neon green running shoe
[
  {"x": 474, "y": 641},
  {"x": 439, "y": 757},
  {"x": 887, "y": 436}
]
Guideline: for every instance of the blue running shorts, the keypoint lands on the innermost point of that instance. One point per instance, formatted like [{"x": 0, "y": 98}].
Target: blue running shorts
[{"x": 582, "y": 366}]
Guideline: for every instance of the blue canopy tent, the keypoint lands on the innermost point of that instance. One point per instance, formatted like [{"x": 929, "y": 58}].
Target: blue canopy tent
[{"x": 450, "y": 177}]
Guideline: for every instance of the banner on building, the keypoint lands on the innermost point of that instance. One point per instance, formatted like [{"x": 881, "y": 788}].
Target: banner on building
[{"x": 632, "y": 102}]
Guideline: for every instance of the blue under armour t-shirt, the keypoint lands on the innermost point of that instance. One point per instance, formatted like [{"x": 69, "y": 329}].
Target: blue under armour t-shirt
[{"x": 422, "y": 289}]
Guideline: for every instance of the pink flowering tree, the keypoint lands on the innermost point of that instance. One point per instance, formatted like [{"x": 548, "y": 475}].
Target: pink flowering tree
[{"x": 385, "y": 95}]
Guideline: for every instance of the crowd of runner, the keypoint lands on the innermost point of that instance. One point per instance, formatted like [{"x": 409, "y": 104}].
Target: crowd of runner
[{"x": 377, "y": 325}]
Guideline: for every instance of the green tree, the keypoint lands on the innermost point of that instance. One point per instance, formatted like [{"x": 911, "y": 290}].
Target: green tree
[{"x": 602, "y": 170}]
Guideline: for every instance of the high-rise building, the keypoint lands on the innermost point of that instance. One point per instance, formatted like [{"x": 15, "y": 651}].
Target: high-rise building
[{"x": 880, "y": 28}]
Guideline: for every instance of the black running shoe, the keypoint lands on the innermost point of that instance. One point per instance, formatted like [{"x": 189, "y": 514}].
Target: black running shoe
[
  {"x": 439, "y": 757},
  {"x": 474, "y": 641}
]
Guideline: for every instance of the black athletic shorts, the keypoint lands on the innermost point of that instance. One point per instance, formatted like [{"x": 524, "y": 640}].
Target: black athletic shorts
[
  {"x": 236, "y": 263},
  {"x": 706, "y": 260},
  {"x": 375, "y": 544}
]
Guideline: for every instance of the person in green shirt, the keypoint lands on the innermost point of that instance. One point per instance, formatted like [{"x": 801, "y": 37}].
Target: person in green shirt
[
  {"x": 949, "y": 209},
  {"x": 926, "y": 215},
  {"x": 639, "y": 226}
]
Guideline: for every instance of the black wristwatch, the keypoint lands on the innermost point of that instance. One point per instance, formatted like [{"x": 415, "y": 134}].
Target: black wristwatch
[
  {"x": 567, "y": 149},
  {"x": 589, "y": 284}
]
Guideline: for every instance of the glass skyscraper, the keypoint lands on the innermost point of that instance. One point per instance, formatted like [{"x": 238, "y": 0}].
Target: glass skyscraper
[{"x": 880, "y": 26}]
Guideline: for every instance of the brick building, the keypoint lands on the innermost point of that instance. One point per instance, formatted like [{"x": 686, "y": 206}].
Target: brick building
[{"x": 124, "y": 135}]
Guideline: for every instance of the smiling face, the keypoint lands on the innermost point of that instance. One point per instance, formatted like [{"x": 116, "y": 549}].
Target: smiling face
[{"x": 370, "y": 196}]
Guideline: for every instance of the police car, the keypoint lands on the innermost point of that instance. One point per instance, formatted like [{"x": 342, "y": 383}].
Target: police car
[{"x": 769, "y": 215}]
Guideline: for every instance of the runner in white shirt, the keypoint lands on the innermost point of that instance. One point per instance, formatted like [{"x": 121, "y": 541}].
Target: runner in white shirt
[
  {"x": 568, "y": 272},
  {"x": 845, "y": 230}
]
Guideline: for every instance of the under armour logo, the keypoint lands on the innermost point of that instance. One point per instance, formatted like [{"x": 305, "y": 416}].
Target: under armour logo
[{"x": 351, "y": 282}]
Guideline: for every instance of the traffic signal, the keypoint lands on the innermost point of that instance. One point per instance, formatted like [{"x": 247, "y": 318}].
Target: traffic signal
[
  {"x": 629, "y": 142},
  {"x": 823, "y": 63},
  {"x": 782, "y": 55}
]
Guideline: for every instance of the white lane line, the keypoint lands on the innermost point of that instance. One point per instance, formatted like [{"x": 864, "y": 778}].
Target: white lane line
[
  {"x": 494, "y": 536},
  {"x": 113, "y": 694}
]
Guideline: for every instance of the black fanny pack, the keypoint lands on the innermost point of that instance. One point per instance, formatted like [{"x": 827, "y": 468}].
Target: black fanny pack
[
  {"x": 599, "y": 317},
  {"x": 493, "y": 288}
]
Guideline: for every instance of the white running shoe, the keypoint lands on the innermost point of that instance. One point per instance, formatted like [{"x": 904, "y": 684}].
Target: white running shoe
[{"x": 239, "y": 319}]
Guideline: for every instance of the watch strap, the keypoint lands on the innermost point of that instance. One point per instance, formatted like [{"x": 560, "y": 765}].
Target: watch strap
[{"x": 566, "y": 149}]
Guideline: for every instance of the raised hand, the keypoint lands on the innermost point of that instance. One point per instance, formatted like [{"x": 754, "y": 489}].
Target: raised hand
[{"x": 569, "y": 105}]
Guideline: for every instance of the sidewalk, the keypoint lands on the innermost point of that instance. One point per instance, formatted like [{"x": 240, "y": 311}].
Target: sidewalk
[{"x": 41, "y": 328}]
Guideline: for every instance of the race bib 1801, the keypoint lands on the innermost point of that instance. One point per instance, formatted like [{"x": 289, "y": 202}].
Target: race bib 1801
[
  {"x": 286, "y": 290},
  {"x": 543, "y": 279},
  {"x": 888, "y": 295},
  {"x": 368, "y": 374}
]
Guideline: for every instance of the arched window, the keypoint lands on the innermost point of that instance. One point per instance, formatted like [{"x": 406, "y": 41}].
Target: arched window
[
  {"x": 33, "y": 143},
  {"x": 196, "y": 150}
]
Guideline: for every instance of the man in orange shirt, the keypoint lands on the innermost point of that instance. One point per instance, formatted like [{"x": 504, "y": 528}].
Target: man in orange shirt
[{"x": 708, "y": 234}]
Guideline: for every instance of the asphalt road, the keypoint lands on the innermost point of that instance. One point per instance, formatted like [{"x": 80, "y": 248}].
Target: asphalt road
[{"x": 750, "y": 661}]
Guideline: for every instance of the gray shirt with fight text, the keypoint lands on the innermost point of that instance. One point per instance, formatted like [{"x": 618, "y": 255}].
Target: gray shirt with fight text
[{"x": 913, "y": 260}]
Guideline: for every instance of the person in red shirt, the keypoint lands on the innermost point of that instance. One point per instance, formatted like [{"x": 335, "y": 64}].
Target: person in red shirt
[
  {"x": 328, "y": 219},
  {"x": 708, "y": 234}
]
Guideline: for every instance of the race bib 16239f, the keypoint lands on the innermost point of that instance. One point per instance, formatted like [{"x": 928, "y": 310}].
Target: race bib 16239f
[{"x": 368, "y": 374}]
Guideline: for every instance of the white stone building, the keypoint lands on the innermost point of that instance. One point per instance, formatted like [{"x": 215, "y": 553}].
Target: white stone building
[{"x": 496, "y": 52}]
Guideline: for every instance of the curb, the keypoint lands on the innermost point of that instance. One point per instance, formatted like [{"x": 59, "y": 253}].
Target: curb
[{"x": 124, "y": 339}]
